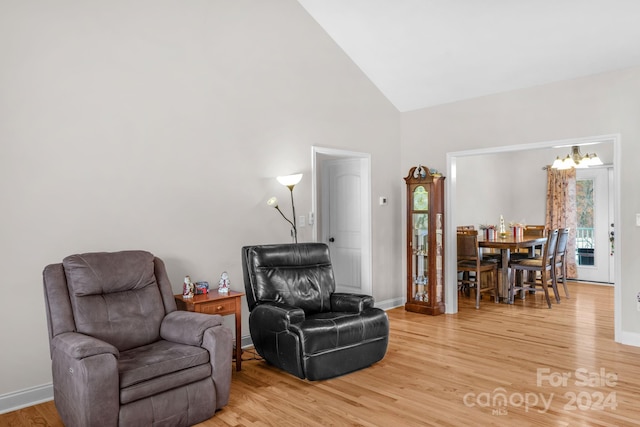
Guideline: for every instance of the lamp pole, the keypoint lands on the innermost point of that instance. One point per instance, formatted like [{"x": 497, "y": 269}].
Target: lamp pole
[
  {"x": 290, "y": 182},
  {"x": 293, "y": 209}
]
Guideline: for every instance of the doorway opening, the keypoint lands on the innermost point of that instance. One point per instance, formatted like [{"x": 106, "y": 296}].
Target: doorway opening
[{"x": 451, "y": 211}]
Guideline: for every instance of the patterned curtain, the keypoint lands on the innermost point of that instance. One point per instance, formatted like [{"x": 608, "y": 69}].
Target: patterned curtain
[{"x": 561, "y": 210}]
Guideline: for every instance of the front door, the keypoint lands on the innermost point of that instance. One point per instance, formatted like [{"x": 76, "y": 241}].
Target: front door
[{"x": 594, "y": 249}]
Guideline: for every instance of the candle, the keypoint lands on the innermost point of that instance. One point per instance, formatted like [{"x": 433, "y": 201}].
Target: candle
[{"x": 503, "y": 231}]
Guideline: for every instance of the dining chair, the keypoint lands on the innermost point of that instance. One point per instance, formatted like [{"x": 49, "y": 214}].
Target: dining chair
[
  {"x": 473, "y": 268},
  {"x": 531, "y": 232},
  {"x": 544, "y": 264},
  {"x": 467, "y": 276},
  {"x": 560, "y": 269}
]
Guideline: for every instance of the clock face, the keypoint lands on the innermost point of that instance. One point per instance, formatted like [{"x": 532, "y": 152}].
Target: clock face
[{"x": 420, "y": 199}]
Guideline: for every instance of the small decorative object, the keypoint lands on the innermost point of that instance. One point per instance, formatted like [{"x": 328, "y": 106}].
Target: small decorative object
[
  {"x": 502, "y": 231},
  {"x": 518, "y": 230},
  {"x": 421, "y": 283},
  {"x": 223, "y": 284},
  {"x": 187, "y": 288},
  {"x": 202, "y": 288},
  {"x": 489, "y": 231}
]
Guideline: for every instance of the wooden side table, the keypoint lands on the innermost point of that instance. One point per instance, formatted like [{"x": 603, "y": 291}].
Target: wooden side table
[{"x": 215, "y": 303}]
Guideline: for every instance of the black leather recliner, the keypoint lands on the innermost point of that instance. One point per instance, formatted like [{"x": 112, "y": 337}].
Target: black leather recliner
[{"x": 298, "y": 323}]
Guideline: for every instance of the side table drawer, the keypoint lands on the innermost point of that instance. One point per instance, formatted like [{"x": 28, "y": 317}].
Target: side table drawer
[{"x": 220, "y": 307}]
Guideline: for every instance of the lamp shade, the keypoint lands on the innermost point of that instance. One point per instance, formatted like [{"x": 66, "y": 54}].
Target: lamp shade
[
  {"x": 594, "y": 160},
  {"x": 289, "y": 180},
  {"x": 557, "y": 163},
  {"x": 567, "y": 163}
]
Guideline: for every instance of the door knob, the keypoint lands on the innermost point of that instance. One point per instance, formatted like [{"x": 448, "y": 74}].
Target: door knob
[{"x": 331, "y": 239}]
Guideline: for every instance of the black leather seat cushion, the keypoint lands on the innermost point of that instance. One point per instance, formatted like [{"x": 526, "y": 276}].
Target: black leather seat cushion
[{"x": 332, "y": 330}]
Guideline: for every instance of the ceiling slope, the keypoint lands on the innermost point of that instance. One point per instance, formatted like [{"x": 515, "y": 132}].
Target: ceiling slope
[{"x": 422, "y": 53}]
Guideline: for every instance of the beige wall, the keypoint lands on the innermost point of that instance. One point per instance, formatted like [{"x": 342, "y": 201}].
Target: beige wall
[
  {"x": 161, "y": 126},
  {"x": 597, "y": 105},
  {"x": 512, "y": 184}
]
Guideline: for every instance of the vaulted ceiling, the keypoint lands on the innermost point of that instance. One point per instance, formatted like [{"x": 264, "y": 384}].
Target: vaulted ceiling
[{"x": 422, "y": 53}]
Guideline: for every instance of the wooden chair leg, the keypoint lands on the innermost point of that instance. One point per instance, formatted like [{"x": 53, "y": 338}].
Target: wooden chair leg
[
  {"x": 564, "y": 279},
  {"x": 522, "y": 282},
  {"x": 512, "y": 284},
  {"x": 554, "y": 284},
  {"x": 531, "y": 277},
  {"x": 516, "y": 280},
  {"x": 478, "y": 287},
  {"x": 545, "y": 288}
]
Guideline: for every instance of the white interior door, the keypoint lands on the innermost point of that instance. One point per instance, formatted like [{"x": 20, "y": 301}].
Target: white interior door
[
  {"x": 343, "y": 216},
  {"x": 594, "y": 254}
]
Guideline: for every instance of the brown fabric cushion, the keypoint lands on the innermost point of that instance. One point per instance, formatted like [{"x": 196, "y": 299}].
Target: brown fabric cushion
[
  {"x": 104, "y": 273},
  {"x": 158, "y": 359},
  {"x": 115, "y": 297}
]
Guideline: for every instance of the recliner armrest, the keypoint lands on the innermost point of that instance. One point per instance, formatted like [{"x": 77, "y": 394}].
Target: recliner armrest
[
  {"x": 80, "y": 346},
  {"x": 187, "y": 327},
  {"x": 277, "y": 316},
  {"x": 351, "y": 303}
]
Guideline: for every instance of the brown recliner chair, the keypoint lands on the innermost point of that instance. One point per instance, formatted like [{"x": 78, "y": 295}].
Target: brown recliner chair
[{"x": 122, "y": 354}]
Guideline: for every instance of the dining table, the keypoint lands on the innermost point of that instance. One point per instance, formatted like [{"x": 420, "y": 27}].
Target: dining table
[{"x": 506, "y": 245}]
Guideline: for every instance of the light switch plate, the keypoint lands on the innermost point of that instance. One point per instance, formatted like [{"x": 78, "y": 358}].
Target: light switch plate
[{"x": 638, "y": 220}]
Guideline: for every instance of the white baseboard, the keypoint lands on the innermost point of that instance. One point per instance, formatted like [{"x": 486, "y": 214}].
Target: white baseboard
[
  {"x": 390, "y": 303},
  {"x": 629, "y": 338},
  {"x": 246, "y": 341},
  {"x": 27, "y": 397}
]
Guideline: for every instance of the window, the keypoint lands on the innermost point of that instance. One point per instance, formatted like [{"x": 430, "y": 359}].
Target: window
[{"x": 585, "y": 243}]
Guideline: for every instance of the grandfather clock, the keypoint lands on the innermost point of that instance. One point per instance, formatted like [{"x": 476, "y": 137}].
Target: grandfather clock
[{"x": 425, "y": 241}]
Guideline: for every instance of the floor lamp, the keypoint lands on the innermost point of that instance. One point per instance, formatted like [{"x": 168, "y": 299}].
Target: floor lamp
[{"x": 290, "y": 182}]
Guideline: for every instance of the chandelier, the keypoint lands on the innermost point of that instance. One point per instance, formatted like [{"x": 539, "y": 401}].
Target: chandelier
[{"x": 576, "y": 160}]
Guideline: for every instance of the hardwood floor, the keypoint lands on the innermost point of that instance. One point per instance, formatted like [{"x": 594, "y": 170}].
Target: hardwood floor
[{"x": 451, "y": 370}]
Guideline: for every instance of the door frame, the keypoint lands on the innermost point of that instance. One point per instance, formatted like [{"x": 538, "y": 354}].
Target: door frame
[
  {"x": 318, "y": 154},
  {"x": 451, "y": 294}
]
